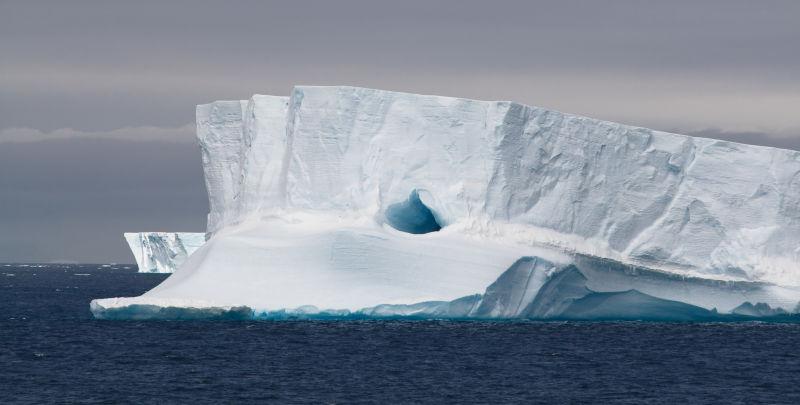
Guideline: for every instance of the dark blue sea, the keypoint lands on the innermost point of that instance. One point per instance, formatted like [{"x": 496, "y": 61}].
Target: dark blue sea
[{"x": 52, "y": 351}]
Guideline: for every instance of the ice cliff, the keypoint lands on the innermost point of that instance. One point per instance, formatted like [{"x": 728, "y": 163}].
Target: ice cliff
[
  {"x": 339, "y": 201},
  {"x": 162, "y": 252}
]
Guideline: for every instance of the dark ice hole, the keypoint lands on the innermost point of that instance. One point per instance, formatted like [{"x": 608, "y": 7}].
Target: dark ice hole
[{"x": 412, "y": 216}]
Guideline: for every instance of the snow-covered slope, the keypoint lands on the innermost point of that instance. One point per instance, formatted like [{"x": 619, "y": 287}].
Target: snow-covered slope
[
  {"x": 325, "y": 199},
  {"x": 162, "y": 252}
]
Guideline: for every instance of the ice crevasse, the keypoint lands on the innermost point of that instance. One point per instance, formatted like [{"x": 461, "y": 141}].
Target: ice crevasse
[{"x": 353, "y": 202}]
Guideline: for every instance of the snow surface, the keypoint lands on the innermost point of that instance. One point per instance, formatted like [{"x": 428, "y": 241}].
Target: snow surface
[
  {"x": 310, "y": 197},
  {"x": 162, "y": 252}
]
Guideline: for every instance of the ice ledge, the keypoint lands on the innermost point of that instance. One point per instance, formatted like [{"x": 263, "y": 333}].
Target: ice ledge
[
  {"x": 165, "y": 309},
  {"x": 533, "y": 288}
]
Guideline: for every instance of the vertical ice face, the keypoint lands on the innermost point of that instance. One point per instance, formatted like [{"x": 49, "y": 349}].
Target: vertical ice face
[
  {"x": 264, "y": 139},
  {"x": 353, "y": 149},
  {"x": 583, "y": 177},
  {"x": 731, "y": 213},
  {"x": 219, "y": 132},
  {"x": 242, "y": 144},
  {"x": 578, "y": 183},
  {"x": 162, "y": 252}
]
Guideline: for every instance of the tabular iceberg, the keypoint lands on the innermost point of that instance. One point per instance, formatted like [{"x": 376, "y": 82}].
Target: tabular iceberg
[
  {"x": 351, "y": 202},
  {"x": 162, "y": 252}
]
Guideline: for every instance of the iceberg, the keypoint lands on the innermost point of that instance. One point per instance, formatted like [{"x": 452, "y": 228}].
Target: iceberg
[
  {"x": 162, "y": 252},
  {"x": 344, "y": 202}
]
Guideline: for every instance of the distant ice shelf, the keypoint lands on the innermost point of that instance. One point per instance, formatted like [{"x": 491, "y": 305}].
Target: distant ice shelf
[
  {"x": 162, "y": 252},
  {"x": 342, "y": 202}
]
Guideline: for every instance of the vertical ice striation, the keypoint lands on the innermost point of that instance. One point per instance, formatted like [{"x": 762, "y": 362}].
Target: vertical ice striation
[
  {"x": 219, "y": 131},
  {"x": 264, "y": 139}
]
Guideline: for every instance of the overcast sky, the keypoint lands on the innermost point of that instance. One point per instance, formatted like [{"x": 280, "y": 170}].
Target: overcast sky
[{"x": 97, "y": 97}]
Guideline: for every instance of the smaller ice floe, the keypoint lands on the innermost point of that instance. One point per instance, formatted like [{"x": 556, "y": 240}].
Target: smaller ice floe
[{"x": 162, "y": 252}]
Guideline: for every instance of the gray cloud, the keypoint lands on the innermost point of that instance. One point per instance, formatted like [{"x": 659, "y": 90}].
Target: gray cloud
[
  {"x": 72, "y": 199},
  {"x": 183, "y": 134},
  {"x": 93, "y": 65}
]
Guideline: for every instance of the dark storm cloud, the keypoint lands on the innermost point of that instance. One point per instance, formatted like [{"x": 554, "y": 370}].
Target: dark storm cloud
[{"x": 135, "y": 70}]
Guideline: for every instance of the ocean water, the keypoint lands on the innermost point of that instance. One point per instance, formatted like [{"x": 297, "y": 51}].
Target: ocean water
[{"x": 52, "y": 351}]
